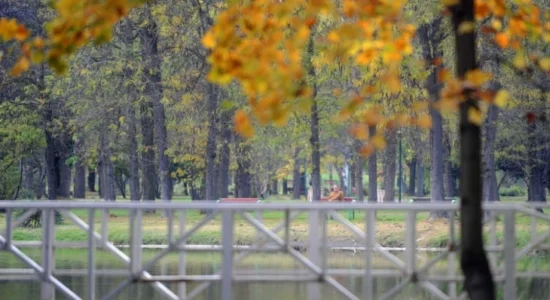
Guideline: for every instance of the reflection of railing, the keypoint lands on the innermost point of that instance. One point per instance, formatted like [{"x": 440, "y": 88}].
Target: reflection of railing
[{"x": 315, "y": 264}]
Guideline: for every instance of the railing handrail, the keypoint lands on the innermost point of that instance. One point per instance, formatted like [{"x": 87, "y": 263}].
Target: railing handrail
[{"x": 61, "y": 204}]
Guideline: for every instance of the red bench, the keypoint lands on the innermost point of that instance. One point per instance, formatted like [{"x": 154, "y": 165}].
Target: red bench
[
  {"x": 239, "y": 200},
  {"x": 346, "y": 199}
]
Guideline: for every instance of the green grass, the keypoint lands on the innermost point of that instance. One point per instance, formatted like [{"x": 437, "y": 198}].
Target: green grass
[{"x": 390, "y": 228}]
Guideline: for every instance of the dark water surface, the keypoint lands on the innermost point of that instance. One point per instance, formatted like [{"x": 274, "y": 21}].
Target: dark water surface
[{"x": 209, "y": 263}]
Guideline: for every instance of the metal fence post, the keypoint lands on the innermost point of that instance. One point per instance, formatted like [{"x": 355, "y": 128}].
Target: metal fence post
[
  {"x": 510, "y": 255},
  {"x": 370, "y": 216},
  {"x": 47, "y": 290},
  {"x": 410, "y": 243},
  {"x": 452, "y": 255},
  {"x": 182, "y": 291},
  {"x": 135, "y": 240},
  {"x": 9, "y": 231},
  {"x": 227, "y": 263},
  {"x": 104, "y": 230},
  {"x": 314, "y": 289},
  {"x": 91, "y": 255}
]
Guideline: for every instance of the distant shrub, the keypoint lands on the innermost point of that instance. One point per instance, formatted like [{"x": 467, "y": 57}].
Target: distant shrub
[{"x": 512, "y": 191}]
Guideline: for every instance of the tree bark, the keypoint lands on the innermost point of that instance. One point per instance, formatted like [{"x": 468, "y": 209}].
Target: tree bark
[
  {"x": 91, "y": 180},
  {"x": 535, "y": 181},
  {"x": 449, "y": 186},
  {"x": 285, "y": 186},
  {"x": 274, "y": 186},
  {"x": 412, "y": 176},
  {"x": 296, "y": 175},
  {"x": 390, "y": 167},
  {"x": 419, "y": 190},
  {"x": 225, "y": 155},
  {"x": 431, "y": 39},
  {"x": 490, "y": 187},
  {"x": 133, "y": 154},
  {"x": 149, "y": 173},
  {"x": 314, "y": 139},
  {"x": 211, "y": 142},
  {"x": 373, "y": 172},
  {"x": 359, "y": 171},
  {"x": 108, "y": 175},
  {"x": 153, "y": 88},
  {"x": 478, "y": 280},
  {"x": 243, "y": 169}
]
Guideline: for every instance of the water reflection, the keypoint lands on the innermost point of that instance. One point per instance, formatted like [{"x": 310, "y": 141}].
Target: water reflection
[{"x": 532, "y": 289}]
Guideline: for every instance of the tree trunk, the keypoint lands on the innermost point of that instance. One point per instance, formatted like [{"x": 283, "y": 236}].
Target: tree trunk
[
  {"x": 412, "y": 175},
  {"x": 79, "y": 180},
  {"x": 285, "y": 186},
  {"x": 419, "y": 190},
  {"x": 225, "y": 155},
  {"x": 274, "y": 186},
  {"x": 91, "y": 180},
  {"x": 133, "y": 154},
  {"x": 390, "y": 167},
  {"x": 478, "y": 280},
  {"x": 431, "y": 39},
  {"x": 51, "y": 173},
  {"x": 149, "y": 173},
  {"x": 314, "y": 138},
  {"x": 373, "y": 172},
  {"x": 296, "y": 175},
  {"x": 490, "y": 188},
  {"x": 211, "y": 142},
  {"x": 358, "y": 171},
  {"x": 449, "y": 185},
  {"x": 536, "y": 188},
  {"x": 64, "y": 172},
  {"x": 153, "y": 88},
  {"x": 108, "y": 175},
  {"x": 243, "y": 169}
]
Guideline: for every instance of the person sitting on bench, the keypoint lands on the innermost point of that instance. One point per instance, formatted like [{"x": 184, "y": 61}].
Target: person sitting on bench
[{"x": 336, "y": 194}]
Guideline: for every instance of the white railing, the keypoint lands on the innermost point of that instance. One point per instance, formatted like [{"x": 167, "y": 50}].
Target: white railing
[{"x": 315, "y": 264}]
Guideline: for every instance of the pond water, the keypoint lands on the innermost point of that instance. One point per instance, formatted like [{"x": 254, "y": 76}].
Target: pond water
[{"x": 209, "y": 263}]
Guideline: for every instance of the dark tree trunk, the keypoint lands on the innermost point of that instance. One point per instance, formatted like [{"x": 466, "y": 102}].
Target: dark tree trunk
[
  {"x": 431, "y": 38},
  {"x": 341, "y": 177},
  {"x": 450, "y": 188},
  {"x": 536, "y": 188},
  {"x": 149, "y": 173},
  {"x": 490, "y": 188},
  {"x": 296, "y": 175},
  {"x": 211, "y": 142},
  {"x": 314, "y": 138},
  {"x": 133, "y": 155},
  {"x": 79, "y": 180},
  {"x": 91, "y": 180},
  {"x": 358, "y": 171},
  {"x": 390, "y": 167},
  {"x": 373, "y": 172},
  {"x": 108, "y": 175},
  {"x": 274, "y": 187},
  {"x": 100, "y": 178},
  {"x": 64, "y": 173},
  {"x": 478, "y": 280},
  {"x": 149, "y": 37},
  {"x": 243, "y": 169},
  {"x": 412, "y": 175},
  {"x": 225, "y": 155},
  {"x": 285, "y": 186},
  {"x": 419, "y": 178}
]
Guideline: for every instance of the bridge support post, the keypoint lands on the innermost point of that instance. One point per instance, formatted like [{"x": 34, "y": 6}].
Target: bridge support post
[
  {"x": 182, "y": 289},
  {"x": 370, "y": 230},
  {"x": 410, "y": 243},
  {"x": 227, "y": 262},
  {"x": 91, "y": 255},
  {"x": 313, "y": 249},
  {"x": 509, "y": 255},
  {"x": 47, "y": 290},
  {"x": 136, "y": 241}
]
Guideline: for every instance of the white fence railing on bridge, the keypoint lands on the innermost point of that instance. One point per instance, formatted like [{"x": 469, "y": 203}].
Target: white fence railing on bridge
[{"x": 315, "y": 267}]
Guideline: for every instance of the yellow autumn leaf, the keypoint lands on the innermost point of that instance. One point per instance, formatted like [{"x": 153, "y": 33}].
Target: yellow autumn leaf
[
  {"x": 501, "y": 98},
  {"x": 378, "y": 142},
  {"x": 121, "y": 119},
  {"x": 208, "y": 40},
  {"x": 477, "y": 77},
  {"x": 544, "y": 64},
  {"x": 474, "y": 116},
  {"x": 466, "y": 27},
  {"x": 424, "y": 121},
  {"x": 20, "y": 66},
  {"x": 519, "y": 61}
]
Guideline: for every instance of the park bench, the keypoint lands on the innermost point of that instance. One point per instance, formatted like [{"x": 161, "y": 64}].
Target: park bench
[{"x": 351, "y": 213}]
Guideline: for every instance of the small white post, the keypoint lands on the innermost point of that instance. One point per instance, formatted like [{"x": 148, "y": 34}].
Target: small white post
[
  {"x": 227, "y": 263},
  {"x": 314, "y": 288},
  {"x": 510, "y": 255},
  {"x": 182, "y": 290},
  {"x": 47, "y": 290}
]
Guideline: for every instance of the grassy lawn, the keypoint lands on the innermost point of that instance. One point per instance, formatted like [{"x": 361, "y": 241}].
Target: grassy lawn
[{"x": 390, "y": 228}]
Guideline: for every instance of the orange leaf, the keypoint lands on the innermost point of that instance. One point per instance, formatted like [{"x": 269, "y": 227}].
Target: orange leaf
[
  {"x": 502, "y": 40},
  {"x": 22, "y": 33},
  {"x": 424, "y": 121}
]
